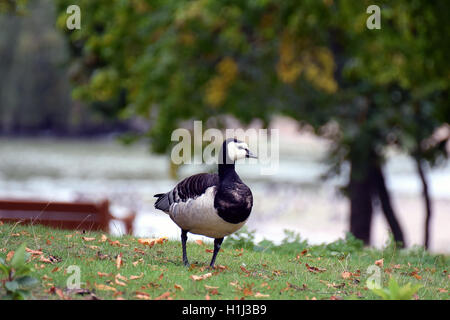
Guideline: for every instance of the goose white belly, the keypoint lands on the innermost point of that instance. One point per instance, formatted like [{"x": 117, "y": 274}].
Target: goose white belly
[{"x": 200, "y": 217}]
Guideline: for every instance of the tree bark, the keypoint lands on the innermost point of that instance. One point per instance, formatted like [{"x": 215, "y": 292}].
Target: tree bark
[
  {"x": 360, "y": 206},
  {"x": 385, "y": 200},
  {"x": 426, "y": 196}
]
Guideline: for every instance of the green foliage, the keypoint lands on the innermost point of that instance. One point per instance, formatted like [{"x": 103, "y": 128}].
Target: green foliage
[
  {"x": 243, "y": 238},
  {"x": 395, "y": 292},
  {"x": 17, "y": 282}
]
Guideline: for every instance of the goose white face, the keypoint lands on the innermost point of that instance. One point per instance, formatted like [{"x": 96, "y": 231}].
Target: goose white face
[{"x": 238, "y": 150}]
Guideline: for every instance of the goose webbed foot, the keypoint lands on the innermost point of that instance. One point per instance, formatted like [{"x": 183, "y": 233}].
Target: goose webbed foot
[{"x": 217, "y": 244}]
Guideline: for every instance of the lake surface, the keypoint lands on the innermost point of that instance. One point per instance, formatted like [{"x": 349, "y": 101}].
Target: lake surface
[{"x": 295, "y": 198}]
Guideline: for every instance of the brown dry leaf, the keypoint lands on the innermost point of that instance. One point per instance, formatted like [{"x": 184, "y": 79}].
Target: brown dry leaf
[
  {"x": 178, "y": 287},
  {"x": 1, "y": 223},
  {"x": 103, "y": 274},
  {"x": 87, "y": 239},
  {"x": 104, "y": 287},
  {"x": 116, "y": 243},
  {"x": 135, "y": 263},
  {"x": 380, "y": 262},
  {"x": 139, "y": 251},
  {"x": 9, "y": 256},
  {"x": 120, "y": 283},
  {"x": 121, "y": 277},
  {"x": 152, "y": 241},
  {"x": 46, "y": 277},
  {"x": 142, "y": 295},
  {"x": 202, "y": 277},
  {"x": 93, "y": 247},
  {"x": 415, "y": 275},
  {"x": 209, "y": 250},
  {"x": 137, "y": 277},
  {"x": 199, "y": 242},
  {"x": 34, "y": 252},
  {"x": 245, "y": 270},
  {"x": 247, "y": 291},
  {"x": 161, "y": 276},
  {"x": 103, "y": 238},
  {"x": 210, "y": 287},
  {"x": 260, "y": 295},
  {"x": 44, "y": 259},
  {"x": 165, "y": 295},
  {"x": 346, "y": 275},
  {"x": 207, "y": 297},
  {"x": 55, "y": 269},
  {"x": 442, "y": 290},
  {"x": 119, "y": 261},
  {"x": 315, "y": 269},
  {"x": 118, "y": 278}
]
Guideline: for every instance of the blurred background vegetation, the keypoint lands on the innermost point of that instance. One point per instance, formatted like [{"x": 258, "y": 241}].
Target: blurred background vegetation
[{"x": 143, "y": 68}]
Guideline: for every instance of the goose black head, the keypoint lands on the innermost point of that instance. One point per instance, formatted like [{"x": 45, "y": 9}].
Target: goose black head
[{"x": 233, "y": 149}]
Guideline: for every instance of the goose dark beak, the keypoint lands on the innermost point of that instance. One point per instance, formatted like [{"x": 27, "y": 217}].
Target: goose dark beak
[{"x": 250, "y": 155}]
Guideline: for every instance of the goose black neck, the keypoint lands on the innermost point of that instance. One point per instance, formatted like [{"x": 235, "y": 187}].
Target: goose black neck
[{"x": 226, "y": 170}]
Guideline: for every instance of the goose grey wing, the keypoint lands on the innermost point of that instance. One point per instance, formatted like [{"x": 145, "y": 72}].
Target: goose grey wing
[{"x": 189, "y": 188}]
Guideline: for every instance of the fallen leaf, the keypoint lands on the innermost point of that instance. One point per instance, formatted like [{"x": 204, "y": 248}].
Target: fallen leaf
[
  {"x": 103, "y": 238},
  {"x": 315, "y": 269},
  {"x": 87, "y": 239},
  {"x": 380, "y": 262},
  {"x": 152, "y": 241},
  {"x": 135, "y": 263},
  {"x": 346, "y": 275},
  {"x": 44, "y": 259},
  {"x": 245, "y": 270},
  {"x": 202, "y": 277},
  {"x": 120, "y": 283},
  {"x": 137, "y": 277},
  {"x": 165, "y": 295},
  {"x": 199, "y": 242},
  {"x": 104, "y": 287},
  {"x": 210, "y": 287},
  {"x": 103, "y": 274},
  {"x": 9, "y": 256},
  {"x": 142, "y": 295},
  {"x": 260, "y": 295},
  {"x": 119, "y": 261},
  {"x": 34, "y": 252},
  {"x": 415, "y": 275},
  {"x": 179, "y": 287}
]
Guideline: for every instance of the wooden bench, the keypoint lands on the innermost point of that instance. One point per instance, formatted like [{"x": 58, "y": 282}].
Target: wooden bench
[{"x": 63, "y": 215}]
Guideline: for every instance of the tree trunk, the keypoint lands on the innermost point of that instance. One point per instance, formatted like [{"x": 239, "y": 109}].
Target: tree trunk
[
  {"x": 365, "y": 183},
  {"x": 385, "y": 200},
  {"x": 360, "y": 205},
  {"x": 426, "y": 196}
]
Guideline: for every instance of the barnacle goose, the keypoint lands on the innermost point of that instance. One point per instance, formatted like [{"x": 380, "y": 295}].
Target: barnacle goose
[{"x": 213, "y": 205}]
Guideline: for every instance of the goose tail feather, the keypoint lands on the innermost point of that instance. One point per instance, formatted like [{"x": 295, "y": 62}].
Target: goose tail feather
[{"x": 163, "y": 201}]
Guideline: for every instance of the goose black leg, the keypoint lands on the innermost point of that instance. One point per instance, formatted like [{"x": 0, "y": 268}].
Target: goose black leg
[
  {"x": 217, "y": 244},
  {"x": 183, "y": 244}
]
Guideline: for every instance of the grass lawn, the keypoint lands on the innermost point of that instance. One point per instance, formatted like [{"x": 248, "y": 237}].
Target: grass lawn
[{"x": 123, "y": 268}]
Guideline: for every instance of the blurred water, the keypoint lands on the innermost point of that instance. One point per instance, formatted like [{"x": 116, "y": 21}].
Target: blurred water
[{"x": 295, "y": 198}]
